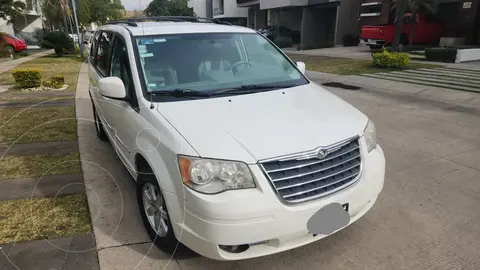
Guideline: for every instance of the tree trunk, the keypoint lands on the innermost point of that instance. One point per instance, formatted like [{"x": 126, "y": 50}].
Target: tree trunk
[
  {"x": 399, "y": 24},
  {"x": 412, "y": 30}
]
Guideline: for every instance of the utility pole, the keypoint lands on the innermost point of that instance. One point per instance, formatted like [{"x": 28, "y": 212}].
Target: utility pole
[{"x": 80, "y": 43}]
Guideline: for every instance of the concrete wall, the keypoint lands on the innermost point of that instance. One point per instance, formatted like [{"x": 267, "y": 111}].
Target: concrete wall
[
  {"x": 312, "y": 29},
  {"x": 199, "y": 7},
  {"x": 269, "y": 4},
  {"x": 260, "y": 18},
  {"x": 5, "y": 27},
  {"x": 231, "y": 10},
  {"x": 347, "y": 19},
  {"x": 467, "y": 55},
  {"x": 318, "y": 27}
]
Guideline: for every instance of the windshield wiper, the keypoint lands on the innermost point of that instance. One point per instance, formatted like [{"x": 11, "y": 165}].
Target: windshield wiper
[
  {"x": 247, "y": 89},
  {"x": 180, "y": 93}
]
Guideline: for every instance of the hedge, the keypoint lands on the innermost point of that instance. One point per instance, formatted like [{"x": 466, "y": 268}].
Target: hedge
[
  {"x": 388, "y": 59},
  {"x": 448, "y": 55},
  {"x": 27, "y": 77}
]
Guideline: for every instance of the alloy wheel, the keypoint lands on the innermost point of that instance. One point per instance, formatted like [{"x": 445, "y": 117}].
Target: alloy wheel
[{"x": 155, "y": 210}]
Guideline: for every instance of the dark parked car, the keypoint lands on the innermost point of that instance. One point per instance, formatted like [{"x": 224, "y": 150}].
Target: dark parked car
[{"x": 273, "y": 31}]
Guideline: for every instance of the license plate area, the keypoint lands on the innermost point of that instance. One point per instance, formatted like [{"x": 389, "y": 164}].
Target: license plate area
[
  {"x": 345, "y": 207},
  {"x": 329, "y": 219}
]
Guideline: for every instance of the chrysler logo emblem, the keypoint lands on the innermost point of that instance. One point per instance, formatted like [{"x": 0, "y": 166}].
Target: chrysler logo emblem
[{"x": 322, "y": 154}]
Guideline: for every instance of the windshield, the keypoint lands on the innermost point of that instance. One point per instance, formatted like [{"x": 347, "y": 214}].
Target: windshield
[{"x": 209, "y": 62}]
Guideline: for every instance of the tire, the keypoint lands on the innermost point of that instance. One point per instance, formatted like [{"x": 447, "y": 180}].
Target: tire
[
  {"x": 164, "y": 238},
  {"x": 404, "y": 40},
  {"x": 99, "y": 128},
  {"x": 10, "y": 49}
]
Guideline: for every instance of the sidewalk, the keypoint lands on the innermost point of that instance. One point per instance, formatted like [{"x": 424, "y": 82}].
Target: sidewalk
[
  {"x": 121, "y": 240},
  {"x": 7, "y": 65}
]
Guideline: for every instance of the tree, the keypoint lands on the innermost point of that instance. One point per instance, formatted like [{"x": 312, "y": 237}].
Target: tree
[
  {"x": 418, "y": 5},
  {"x": 168, "y": 8},
  {"x": 414, "y": 6},
  {"x": 54, "y": 13},
  {"x": 10, "y": 9},
  {"x": 99, "y": 11}
]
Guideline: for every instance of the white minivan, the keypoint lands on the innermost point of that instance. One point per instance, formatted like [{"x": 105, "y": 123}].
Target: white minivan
[{"x": 236, "y": 154}]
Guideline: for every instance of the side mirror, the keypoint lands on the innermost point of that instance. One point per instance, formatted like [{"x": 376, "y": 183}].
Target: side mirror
[
  {"x": 301, "y": 66},
  {"x": 112, "y": 87}
]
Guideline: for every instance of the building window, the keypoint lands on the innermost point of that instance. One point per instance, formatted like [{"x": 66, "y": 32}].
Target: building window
[
  {"x": 220, "y": 9},
  {"x": 371, "y": 9},
  {"x": 29, "y": 4}
]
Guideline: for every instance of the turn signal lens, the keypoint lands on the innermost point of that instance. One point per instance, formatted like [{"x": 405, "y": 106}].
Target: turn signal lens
[
  {"x": 184, "y": 165},
  {"x": 212, "y": 176}
]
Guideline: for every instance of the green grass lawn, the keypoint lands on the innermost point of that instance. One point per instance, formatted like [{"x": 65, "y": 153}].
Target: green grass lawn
[
  {"x": 36, "y": 219},
  {"x": 347, "y": 66},
  {"x": 37, "y": 165},
  {"x": 41, "y": 124},
  {"x": 51, "y": 65}
]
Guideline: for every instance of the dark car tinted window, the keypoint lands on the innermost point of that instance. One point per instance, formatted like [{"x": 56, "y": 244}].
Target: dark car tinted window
[{"x": 103, "y": 52}]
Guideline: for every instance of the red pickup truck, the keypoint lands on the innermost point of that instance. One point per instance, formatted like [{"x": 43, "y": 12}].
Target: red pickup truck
[{"x": 426, "y": 31}]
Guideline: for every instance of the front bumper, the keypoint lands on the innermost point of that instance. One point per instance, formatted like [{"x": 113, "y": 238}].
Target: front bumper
[
  {"x": 373, "y": 42},
  {"x": 257, "y": 215}
]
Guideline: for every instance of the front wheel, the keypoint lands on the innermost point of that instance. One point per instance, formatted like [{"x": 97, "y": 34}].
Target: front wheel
[
  {"x": 10, "y": 49},
  {"x": 153, "y": 210}
]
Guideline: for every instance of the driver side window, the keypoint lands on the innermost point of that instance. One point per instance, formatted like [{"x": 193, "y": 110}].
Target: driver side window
[{"x": 120, "y": 66}]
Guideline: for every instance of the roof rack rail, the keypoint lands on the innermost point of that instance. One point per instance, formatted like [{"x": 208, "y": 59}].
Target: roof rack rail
[{"x": 133, "y": 21}]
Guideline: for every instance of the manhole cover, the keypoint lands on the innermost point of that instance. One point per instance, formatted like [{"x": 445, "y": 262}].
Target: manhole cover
[{"x": 341, "y": 85}]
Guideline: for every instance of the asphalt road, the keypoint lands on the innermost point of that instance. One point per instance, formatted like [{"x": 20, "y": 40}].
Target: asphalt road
[{"x": 427, "y": 216}]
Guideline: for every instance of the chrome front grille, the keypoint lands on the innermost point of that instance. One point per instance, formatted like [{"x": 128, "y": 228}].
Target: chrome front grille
[{"x": 307, "y": 176}]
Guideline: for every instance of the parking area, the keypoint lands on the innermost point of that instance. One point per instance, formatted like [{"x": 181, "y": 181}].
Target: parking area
[{"x": 426, "y": 217}]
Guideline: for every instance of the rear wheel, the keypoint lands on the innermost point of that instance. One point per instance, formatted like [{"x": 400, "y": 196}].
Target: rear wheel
[
  {"x": 404, "y": 40},
  {"x": 99, "y": 128}
]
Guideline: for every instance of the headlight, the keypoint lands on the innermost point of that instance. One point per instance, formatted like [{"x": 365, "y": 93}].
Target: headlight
[
  {"x": 214, "y": 176},
  {"x": 370, "y": 136}
]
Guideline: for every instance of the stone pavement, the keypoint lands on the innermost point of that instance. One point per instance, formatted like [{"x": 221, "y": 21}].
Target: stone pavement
[{"x": 426, "y": 217}]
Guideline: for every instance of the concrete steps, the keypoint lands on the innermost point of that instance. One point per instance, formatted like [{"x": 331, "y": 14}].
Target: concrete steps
[{"x": 456, "y": 79}]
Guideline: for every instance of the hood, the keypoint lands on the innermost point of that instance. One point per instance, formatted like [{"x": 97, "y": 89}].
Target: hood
[{"x": 264, "y": 125}]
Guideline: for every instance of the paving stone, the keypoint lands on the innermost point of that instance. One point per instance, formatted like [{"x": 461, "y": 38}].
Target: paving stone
[
  {"x": 139, "y": 256},
  {"x": 46, "y": 186},
  {"x": 69, "y": 253},
  {"x": 38, "y": 148}
]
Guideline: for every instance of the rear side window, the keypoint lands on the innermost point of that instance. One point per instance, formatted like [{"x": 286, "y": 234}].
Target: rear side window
[
  {"x": 103, "y": 52},
  {"x": 93, "y": 48}
]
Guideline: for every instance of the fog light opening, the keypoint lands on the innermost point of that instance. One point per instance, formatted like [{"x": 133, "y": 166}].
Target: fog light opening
[{"x": 234, "y": 249}]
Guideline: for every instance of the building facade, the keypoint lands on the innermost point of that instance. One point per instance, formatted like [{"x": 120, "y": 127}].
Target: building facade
[
  {"x": 26, "y": 25},
  {"x": 226, "y": 10},
  {"x": 321, "y": 23}
]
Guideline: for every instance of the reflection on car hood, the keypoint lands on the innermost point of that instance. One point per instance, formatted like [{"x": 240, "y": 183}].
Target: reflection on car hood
[{"x": 264, "y": 125}]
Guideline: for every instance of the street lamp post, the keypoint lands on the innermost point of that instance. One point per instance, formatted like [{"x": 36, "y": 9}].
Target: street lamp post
[{"x": 80, "y": 43}]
